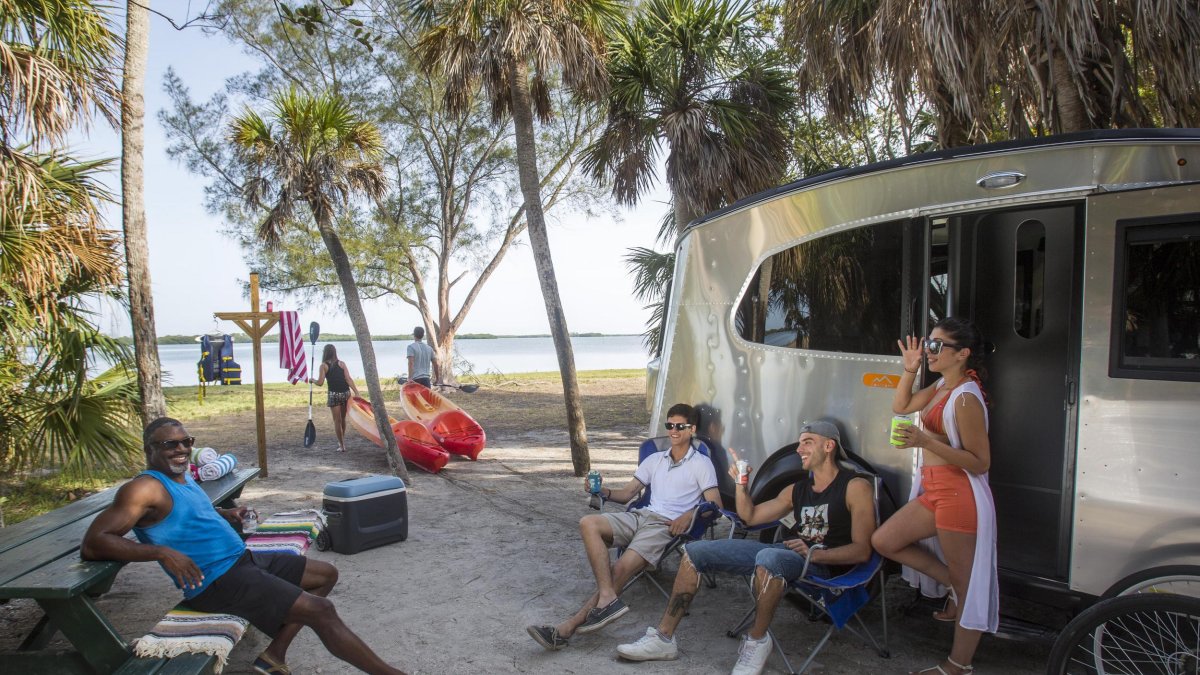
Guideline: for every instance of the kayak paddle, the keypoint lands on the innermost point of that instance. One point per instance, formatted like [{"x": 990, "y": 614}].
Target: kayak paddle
[{"x": 310, "y": 431}]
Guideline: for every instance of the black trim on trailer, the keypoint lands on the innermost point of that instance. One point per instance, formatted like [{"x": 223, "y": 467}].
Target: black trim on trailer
[{"x": 1081, "y": 137}]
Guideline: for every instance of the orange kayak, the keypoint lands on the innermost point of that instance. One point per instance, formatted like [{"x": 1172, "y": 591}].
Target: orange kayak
[
  {"x": 416, "y": 443},
  {"x": 423, "y": 404},
  {"x": 457, "y": 431}
]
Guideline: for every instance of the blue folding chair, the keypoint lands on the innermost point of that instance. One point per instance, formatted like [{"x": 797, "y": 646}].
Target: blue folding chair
[
  {"x": 838, "y": 598},
  {"x": 704, "y": 516}
]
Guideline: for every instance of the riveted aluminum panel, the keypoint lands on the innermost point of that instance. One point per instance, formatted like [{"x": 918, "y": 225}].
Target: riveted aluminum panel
[{"x": 1137, "y": 500}]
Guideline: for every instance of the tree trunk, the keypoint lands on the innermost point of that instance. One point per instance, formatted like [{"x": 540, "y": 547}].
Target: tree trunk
[
  {"x": 1072, "y": 114},
  {"x": 445, "y": 357},
  {"x": 133, "y": 213},
  {"x": 358, "y": 319},
  {"x": 683, "y": 214},
  {"x": 522, "y": 114}
]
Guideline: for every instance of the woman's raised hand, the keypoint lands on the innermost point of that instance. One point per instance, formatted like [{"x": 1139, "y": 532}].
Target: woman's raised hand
[{"x": 910, "y": 351}]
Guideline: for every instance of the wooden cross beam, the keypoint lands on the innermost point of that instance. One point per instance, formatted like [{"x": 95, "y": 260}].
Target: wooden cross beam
[{"x": 250, "y": 324}]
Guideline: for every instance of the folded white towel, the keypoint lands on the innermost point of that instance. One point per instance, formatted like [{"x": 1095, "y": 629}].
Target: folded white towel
[{"x": 217, "y": 468}]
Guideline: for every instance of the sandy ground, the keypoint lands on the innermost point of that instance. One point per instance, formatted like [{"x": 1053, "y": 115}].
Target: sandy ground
[{"x": 493, "y": 546}]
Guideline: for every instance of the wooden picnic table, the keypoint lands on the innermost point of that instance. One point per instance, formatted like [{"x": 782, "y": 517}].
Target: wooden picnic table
[{"x": 39, "y": 559}]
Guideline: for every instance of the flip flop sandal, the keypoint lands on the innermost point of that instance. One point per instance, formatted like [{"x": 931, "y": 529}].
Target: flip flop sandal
[{"x": 265, "y": 665}]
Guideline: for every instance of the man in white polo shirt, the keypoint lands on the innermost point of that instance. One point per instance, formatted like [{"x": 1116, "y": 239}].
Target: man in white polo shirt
[{"x": 680, "y": 477}]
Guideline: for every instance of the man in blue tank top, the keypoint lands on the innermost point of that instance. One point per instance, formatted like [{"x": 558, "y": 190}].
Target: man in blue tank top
[
  {"x": 198, "y": 547},
  {"x": 833, "y": 507}
]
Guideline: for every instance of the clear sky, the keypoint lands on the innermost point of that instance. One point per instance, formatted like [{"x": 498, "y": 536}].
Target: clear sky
[{"x": 195, "y": 270}]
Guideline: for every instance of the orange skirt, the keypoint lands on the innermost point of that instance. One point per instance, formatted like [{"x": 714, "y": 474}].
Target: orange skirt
[{"x": 947, "y": 492}]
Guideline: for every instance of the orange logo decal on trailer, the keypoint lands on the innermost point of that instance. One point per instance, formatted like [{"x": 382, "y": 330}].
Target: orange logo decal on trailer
[{"x": 881, "y": 380}]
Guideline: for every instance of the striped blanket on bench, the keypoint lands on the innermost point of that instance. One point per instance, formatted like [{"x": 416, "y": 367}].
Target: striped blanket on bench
[{"x": 184, "y": 630}]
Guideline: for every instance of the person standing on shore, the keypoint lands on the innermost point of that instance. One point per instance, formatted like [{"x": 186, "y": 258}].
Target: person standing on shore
[
  {"x": 422, "y": 360},
  {"x": 340, "y": 386}
]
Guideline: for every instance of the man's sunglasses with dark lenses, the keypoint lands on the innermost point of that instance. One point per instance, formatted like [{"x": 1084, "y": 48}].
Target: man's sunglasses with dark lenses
[
  {"x": 671, "y": 426},
  {"x": 935, "y": 345},
  {"x": 175, "y": 443}
]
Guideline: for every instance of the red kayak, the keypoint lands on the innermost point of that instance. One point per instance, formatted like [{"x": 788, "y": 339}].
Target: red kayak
[
  {"x": 459, "y": 433},
  {"x": 416, "y": 443}
]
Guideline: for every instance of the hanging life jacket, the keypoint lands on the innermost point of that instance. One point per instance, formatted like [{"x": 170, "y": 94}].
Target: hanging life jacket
[
  {"x": 209, "y": 366},
  {"x": 231, "y": 372}
]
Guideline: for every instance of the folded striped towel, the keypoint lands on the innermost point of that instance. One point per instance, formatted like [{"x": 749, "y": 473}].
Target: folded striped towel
[
  {"x": 289, "y": 532},
  {"x": 217, "y": 468},
  {"x": 202, "y": 456},
  {"x": 184, "y": 630}
]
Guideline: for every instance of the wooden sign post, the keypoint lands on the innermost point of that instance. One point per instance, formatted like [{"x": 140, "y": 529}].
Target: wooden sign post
[{"x": 249, "y": 323}]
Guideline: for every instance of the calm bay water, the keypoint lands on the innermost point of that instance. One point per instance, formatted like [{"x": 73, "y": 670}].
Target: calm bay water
[{"x": 499, "y": 355}]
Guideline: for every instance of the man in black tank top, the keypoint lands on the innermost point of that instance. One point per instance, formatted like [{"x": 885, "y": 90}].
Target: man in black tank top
[{"x": 834, "y": 510}]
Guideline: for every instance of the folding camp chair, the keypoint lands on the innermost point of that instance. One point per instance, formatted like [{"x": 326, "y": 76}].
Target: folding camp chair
[
  {"x": 837, "y": 598},
  {"x": 704, "y": 516}
]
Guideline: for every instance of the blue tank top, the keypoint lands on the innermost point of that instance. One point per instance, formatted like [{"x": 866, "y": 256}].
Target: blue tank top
[{"x": 195, "y": 529}]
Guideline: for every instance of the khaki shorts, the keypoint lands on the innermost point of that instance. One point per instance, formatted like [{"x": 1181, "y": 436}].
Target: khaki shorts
[{"x": 642, "y": 531}]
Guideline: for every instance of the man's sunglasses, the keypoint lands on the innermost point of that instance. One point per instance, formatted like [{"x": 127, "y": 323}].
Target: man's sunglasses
[
  {"x": 935, "y": 345},
  {"x": 671, "y": 426},
  {"x": 173, "y": 443}
]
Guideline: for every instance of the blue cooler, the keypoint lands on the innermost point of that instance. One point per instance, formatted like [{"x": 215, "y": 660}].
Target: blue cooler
[{"x": 366, "y": 512}]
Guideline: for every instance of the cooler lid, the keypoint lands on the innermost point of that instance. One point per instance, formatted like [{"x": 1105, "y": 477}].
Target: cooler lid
[{"x": 357, "y": 487}]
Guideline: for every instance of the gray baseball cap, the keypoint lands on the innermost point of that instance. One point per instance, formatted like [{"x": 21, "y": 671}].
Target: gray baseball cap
[{"x": 823, "y": 428}]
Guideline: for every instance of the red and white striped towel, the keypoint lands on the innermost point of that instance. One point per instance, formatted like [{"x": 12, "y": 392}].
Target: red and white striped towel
[{"x": 291, "y": 347}]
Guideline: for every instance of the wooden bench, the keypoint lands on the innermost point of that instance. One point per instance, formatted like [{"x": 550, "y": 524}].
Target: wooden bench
[{"x": 39, "y": 559}]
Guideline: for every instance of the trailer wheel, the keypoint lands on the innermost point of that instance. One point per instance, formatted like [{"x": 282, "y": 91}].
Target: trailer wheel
[
  {"x": 1141, "y": 633},
  {"x": 1180, "y": 579},
  {"x": 323, "y": 542}
]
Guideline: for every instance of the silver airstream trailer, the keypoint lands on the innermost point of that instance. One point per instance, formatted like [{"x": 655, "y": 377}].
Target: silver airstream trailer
[{"x": 1077, "y": 256}]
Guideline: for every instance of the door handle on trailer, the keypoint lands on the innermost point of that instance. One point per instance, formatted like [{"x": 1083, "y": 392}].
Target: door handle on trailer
[{"x": 1070, "y": 392}]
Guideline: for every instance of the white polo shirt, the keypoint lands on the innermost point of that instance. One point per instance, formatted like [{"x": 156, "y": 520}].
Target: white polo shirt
[{"x": 676, "y": 488}]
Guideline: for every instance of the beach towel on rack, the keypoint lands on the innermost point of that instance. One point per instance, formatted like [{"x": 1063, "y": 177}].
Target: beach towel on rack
[{"x": 291, "y": 347}]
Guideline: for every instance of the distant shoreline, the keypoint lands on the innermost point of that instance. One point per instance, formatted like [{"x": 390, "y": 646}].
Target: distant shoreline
[{"x": 341, "y": 337}]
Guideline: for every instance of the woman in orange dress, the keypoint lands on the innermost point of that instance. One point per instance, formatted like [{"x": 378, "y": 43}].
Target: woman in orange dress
[{"x": 953, "y": 502}]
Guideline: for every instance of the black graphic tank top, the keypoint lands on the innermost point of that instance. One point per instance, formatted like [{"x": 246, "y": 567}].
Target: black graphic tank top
[
  {"x": 336, "y": 378},
  {"x": 822, "y": 517}
]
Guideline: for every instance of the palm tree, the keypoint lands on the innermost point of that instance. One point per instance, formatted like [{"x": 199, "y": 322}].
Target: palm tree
[
  {"x": 133, "y": 212},
  {"x": 515, "y": 48},
  {"x": 693, "y": 74},
  {"x": 999, "y": 69},
  {"x": 319, "y": 153},
  {"x": 57, "y": 68}
]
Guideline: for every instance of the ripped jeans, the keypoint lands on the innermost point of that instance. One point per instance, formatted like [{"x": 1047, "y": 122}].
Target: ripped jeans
[{"x": 741, "y": 556}]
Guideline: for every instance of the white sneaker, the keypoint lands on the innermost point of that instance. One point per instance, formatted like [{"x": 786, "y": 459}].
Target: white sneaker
[
  {"x": 752, "y": 656},
  {"x": 651, "y": 647}
]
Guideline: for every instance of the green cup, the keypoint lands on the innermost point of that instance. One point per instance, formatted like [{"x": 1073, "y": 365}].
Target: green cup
[{"x": 899, "y": 422}]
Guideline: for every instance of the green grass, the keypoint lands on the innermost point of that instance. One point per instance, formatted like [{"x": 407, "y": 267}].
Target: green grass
[
  {"x": 32, "y": 496},
  {"x": 182, "y": 402}
]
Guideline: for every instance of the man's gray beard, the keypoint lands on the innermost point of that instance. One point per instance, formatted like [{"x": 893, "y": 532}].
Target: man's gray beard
[{"x": 177, "y": 471}]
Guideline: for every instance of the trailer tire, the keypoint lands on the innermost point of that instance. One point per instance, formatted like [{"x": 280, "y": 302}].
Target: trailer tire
[
  {"x": 1127, "y": 633},
  {"x": 1179, "y": 579}
]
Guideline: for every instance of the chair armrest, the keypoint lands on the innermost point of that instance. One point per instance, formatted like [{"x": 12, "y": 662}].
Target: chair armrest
[
  {"x": 808, "y": 559},
  {"x": 737, "y": 522},
  {"x": 703, "y": 516}
]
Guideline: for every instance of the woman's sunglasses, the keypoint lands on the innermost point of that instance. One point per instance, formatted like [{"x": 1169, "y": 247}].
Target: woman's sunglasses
[
  {"x": 173, "y": 443},
  {"x": 935, "y": 345},
  {"x": 671, "y": 426}
]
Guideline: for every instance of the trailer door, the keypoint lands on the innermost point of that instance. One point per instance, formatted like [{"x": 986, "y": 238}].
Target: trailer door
[{"x": 1017, "y": 280}]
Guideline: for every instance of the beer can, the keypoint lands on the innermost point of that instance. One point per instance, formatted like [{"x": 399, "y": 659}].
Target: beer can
[
  {"x": 250, "y": 521},
  {"x": 594, "y": 481},
  {"x": 899, "y": 422},
  {"x": 743, "y": 469}
]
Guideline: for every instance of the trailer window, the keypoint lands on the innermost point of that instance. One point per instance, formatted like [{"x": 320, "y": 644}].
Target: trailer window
[
  {"x": 1028, "y": 292},
  {"x": 841, "y": 293},
  {"x": 1157, "y": 306}
]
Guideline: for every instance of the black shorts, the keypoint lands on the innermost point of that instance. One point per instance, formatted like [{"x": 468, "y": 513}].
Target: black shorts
[{"x": 260, "y": 587}]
